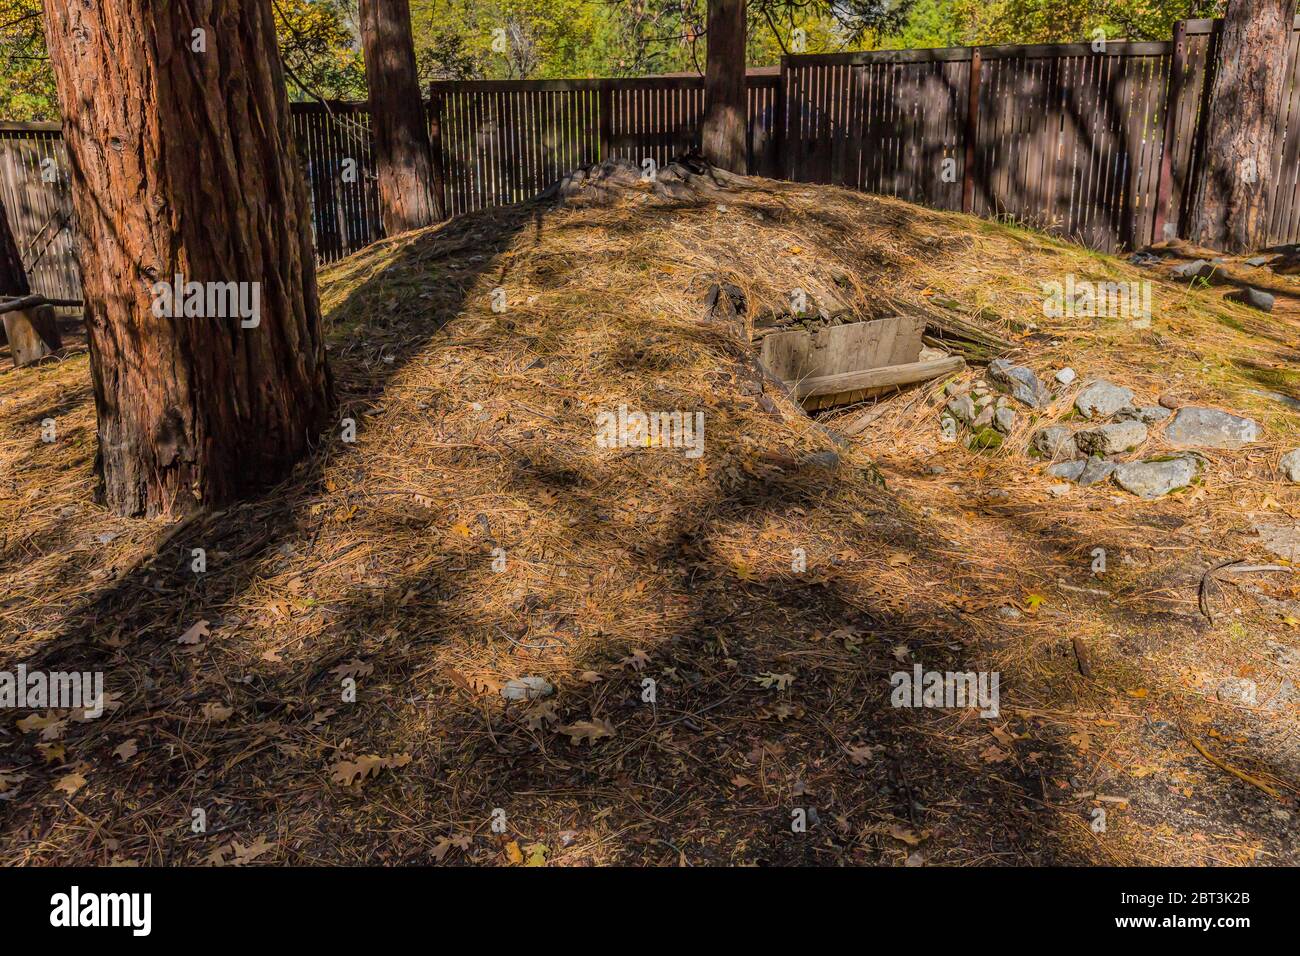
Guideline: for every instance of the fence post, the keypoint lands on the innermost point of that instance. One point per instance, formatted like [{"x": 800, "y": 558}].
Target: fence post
[
  {"x": 1166, "y": 217},
  {"x": 778, "y": 169},
  {"x": 972, "y": 130},
  {"x": 606, "y": 118},
  {"x": 435, "y": 150}
]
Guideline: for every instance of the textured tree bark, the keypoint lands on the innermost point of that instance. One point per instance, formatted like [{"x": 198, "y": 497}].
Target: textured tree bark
[
  {"x": 31, "y": 334},
  {"x": 183, "y": 164},
  {"x": 408, "y": 171},
  {"x": 13, "y": 277},
  {"x": 726, "y": 107},
  {"x": 1231, "y": 210}
]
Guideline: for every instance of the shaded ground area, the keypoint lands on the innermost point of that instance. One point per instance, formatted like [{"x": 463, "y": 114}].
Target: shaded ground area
[{"x": 329, "y": 689}]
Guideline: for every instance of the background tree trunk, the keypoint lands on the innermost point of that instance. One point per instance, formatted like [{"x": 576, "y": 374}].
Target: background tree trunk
[
  {"x": 410, "y": 176},
  {"x": 1231, "y": 211},
  {"x": 182, "y": 163},
  {"x": 13, "y": 277},
  {"x": 726, "y": 108},
  {"x": 33, "y": 333}
]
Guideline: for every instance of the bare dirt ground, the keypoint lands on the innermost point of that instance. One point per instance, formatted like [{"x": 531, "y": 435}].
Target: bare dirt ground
[{"x": 475, "y": 442}]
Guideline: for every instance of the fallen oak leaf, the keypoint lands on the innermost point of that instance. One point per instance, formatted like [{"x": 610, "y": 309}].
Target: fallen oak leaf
[
  {"x": 588, "y": 730},
  {"x": 195, "y": 634},
  {"x": 349, "y": 772},
  {"x": 905, "y": 835},
  {"x": 126, "y": 749},
  {"x": 537, "y": 854},
  {"x": 768, "y": 680},
  {"x": 354, "y": 668},
  {"x": 217, "y": 712},
  {"x": 51, "y": 727},
  {"x": 70, "y": 783}
]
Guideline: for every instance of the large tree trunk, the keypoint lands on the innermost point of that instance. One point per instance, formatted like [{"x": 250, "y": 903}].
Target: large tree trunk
[
  {"x": 726, "y": 108},
  {"x": 1236, "y": 174},
  {"x": 410, "y": 176},
  {"x": 31, "y": 334},
  {"x": 182, "y": 164}
]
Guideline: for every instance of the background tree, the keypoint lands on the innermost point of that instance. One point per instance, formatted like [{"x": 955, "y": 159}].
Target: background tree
[
  {"x": 726, "y": 109},
  {"x": 197, "y": 178},
  {"x": 31, "y": 333},
  {"x": 409, "y": 174},
  {"x": 319, "y": 48},
  {"x": 1231, "y": 208}
]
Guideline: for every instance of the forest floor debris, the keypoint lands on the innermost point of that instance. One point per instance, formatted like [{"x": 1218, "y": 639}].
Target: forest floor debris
[{"x": 475, "y": 635}]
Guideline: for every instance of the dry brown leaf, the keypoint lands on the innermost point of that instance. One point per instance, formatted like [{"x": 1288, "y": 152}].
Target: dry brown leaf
[
  {"x": 126, "y": 749},
  {"x": 195, "y": 634},
  {"x": 588, "y": 730}
]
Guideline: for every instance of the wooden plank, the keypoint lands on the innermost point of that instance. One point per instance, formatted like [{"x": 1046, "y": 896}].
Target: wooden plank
[
  {"x": 906, "y": 374},
  {"x": 843, "y": 348}
]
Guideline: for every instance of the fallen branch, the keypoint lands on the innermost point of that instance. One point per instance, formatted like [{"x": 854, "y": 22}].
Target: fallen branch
[{"x": 1240, "y": 775}]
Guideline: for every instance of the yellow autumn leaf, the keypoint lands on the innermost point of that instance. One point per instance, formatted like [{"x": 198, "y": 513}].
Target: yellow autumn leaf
[
  {"x": 537, "y": 854},
  {"x": 513, "y": 853}
]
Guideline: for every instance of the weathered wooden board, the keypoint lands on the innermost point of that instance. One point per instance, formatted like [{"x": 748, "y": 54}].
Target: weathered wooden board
[
  {"x": 33, "y": 334},
  {"x": 792, "y": 356},
  {"x": 874, "y": 378}
]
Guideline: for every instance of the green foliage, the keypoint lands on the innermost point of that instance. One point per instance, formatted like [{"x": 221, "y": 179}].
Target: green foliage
[
  {"x": 544, "y": 39},
  {"x": 27, "y": 91},
  {"x": 318, "y": 47},
  {"x": 971, "y": 22}
]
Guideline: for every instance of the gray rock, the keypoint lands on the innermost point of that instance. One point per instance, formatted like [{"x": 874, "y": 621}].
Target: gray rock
[
  {"x": 1278, "y": 397},
  {"x": 1156, "y": 477},
  {"x": 1094, "y": 470},
  {"x": 1198, "y": 269},
  {"x": 1146, "y": 414},
  {"x": 1066, "y": 375},
  {"x": 956, "y": 388},
  {"x": 1257, "y": 261},
  {"x": 1283, "y": 655},
  {"x": 527, "y": 688},
  {"x": 1280, "y": 538},
  {"x": 1021, "y": 382},
  {"x": 1255, "y": 298},
  {"x": 823, "y": 459},
  {"x": 1290, "y": 465},
  {"x": 1237, "y": 690},
  {"x": 961, "y": 408},
  {"x": 1101, "y": 399},
  {"x": 1195, "y": 427},
  {"x": 1004, "y": 419},
  {"x": 1009, "y": 613},
  {"x": 984, "y": 419},
  {"x": 1286, "y": 696},
  {"x": 1111, "y": 439},
  {"x": 1056, "y": 442},
  {"x": 1069, "y": 470}
]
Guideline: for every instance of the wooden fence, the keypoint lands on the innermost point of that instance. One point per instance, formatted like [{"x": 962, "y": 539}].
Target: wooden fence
[
  {"x": 506, "y": 140},
  {"x": 1100, "y": 145}
]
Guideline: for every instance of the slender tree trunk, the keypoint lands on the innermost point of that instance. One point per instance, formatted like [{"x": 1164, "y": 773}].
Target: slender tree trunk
[
  {"x": 13, "y": 277},
  {"x": 1232, "y": 197},
  {"x": 410, "y": 176},
  {"x": 183, "y": 165},
  {"x": 33, "y": 333},
  {"x": 726, "y": 107}
]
